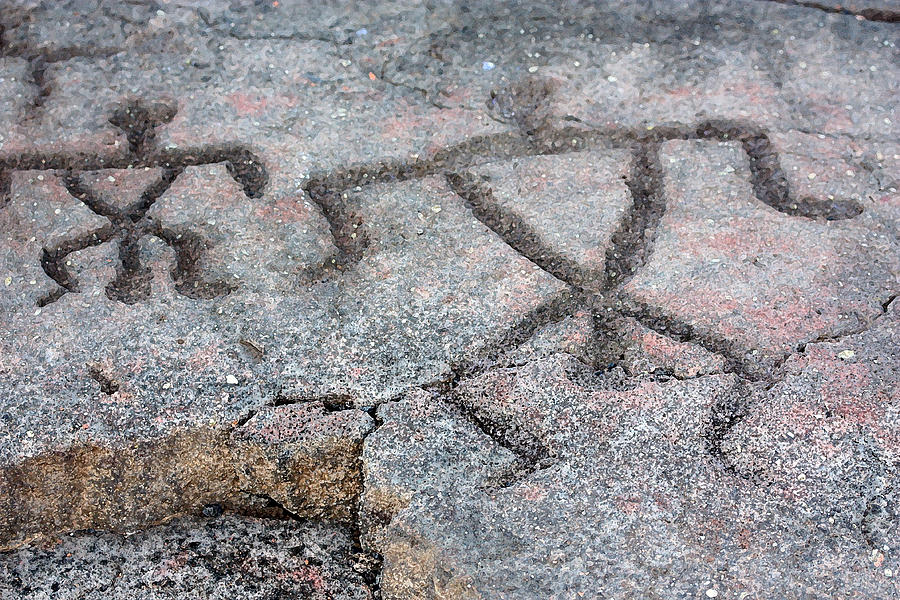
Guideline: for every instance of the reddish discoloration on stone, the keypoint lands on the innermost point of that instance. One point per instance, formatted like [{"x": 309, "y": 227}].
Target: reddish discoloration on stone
[
  {"x": 602, "y": 467},
  {"x": 572, "y": 203},
  {"x": 779, "y": 282},
  {"x": 829, "y": 430},
  {"x": 258, "y": 243}
]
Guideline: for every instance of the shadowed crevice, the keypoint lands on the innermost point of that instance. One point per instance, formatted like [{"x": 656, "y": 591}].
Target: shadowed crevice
[{"x": 883, "y": 15}]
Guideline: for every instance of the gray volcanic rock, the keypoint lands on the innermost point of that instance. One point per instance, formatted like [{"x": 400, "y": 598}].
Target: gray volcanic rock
[
  {"x": 750, "y": 280},
  {"x": 635, "y": 502},
  {"x": 423, "y": 446},
  {"x": 226, "y": 557},
  {"x": 827, "y": 437},
  {"x": 570, "y": 205},
  {"x": 536, "y": 299}
]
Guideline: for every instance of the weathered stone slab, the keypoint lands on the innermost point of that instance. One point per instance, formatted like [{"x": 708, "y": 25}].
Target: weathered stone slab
[
  {"x": 40, "y": 217},
  {"x": 125, "y": 191},
  {"x": 423, "y": 446},
  {"x": 268, "y": 290},
  {"x": 15, "y": 96},
  {"x": 574, "y": 334},
  {"x": 433, "y": 287},
  {"x": 826, "y": 168},
  {"x": 637, "y": 502},
  {"x": 646, "y": 352},
  {"x": 755, "y": 282},
  {"x": 128, "y": 386},
  {"x": 232, "y": 240},
  {"x": 829, "y": 434}
]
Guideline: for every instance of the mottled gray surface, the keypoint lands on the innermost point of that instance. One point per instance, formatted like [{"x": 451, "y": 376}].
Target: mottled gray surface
[
  {"x": 752, "y": 282},
  {"x": 216, "y": 558},
  {"x": 537, "y": 299},
  {"x": 633, "y": 500}
]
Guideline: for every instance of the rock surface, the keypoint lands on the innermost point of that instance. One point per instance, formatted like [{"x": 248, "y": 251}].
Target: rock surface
[
  {"x": 225, "y": 557},
  {"x": 752, "y": 282},
  {"x": 633, "y": 499},
  {"x": 505, "y": 299}
]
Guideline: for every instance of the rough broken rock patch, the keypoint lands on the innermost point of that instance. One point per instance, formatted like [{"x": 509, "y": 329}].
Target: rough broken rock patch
[{"x": 221, "y": 558}]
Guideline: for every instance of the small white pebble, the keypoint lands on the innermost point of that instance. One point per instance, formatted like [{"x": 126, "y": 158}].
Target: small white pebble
[
  {"x": 846, "y": 354},
  {"x": 231, "y": 379},
  {"x": 711, "y": 593},
  {"x": 532, "y": 69}
]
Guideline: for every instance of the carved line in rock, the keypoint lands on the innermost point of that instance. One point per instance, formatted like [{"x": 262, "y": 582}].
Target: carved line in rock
[
  {"x": 885, "y": 15},
  {"x": 769, "y": 183},
  {"x": 631, "y": 243},
  {"x": 139, "y": 121}
]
